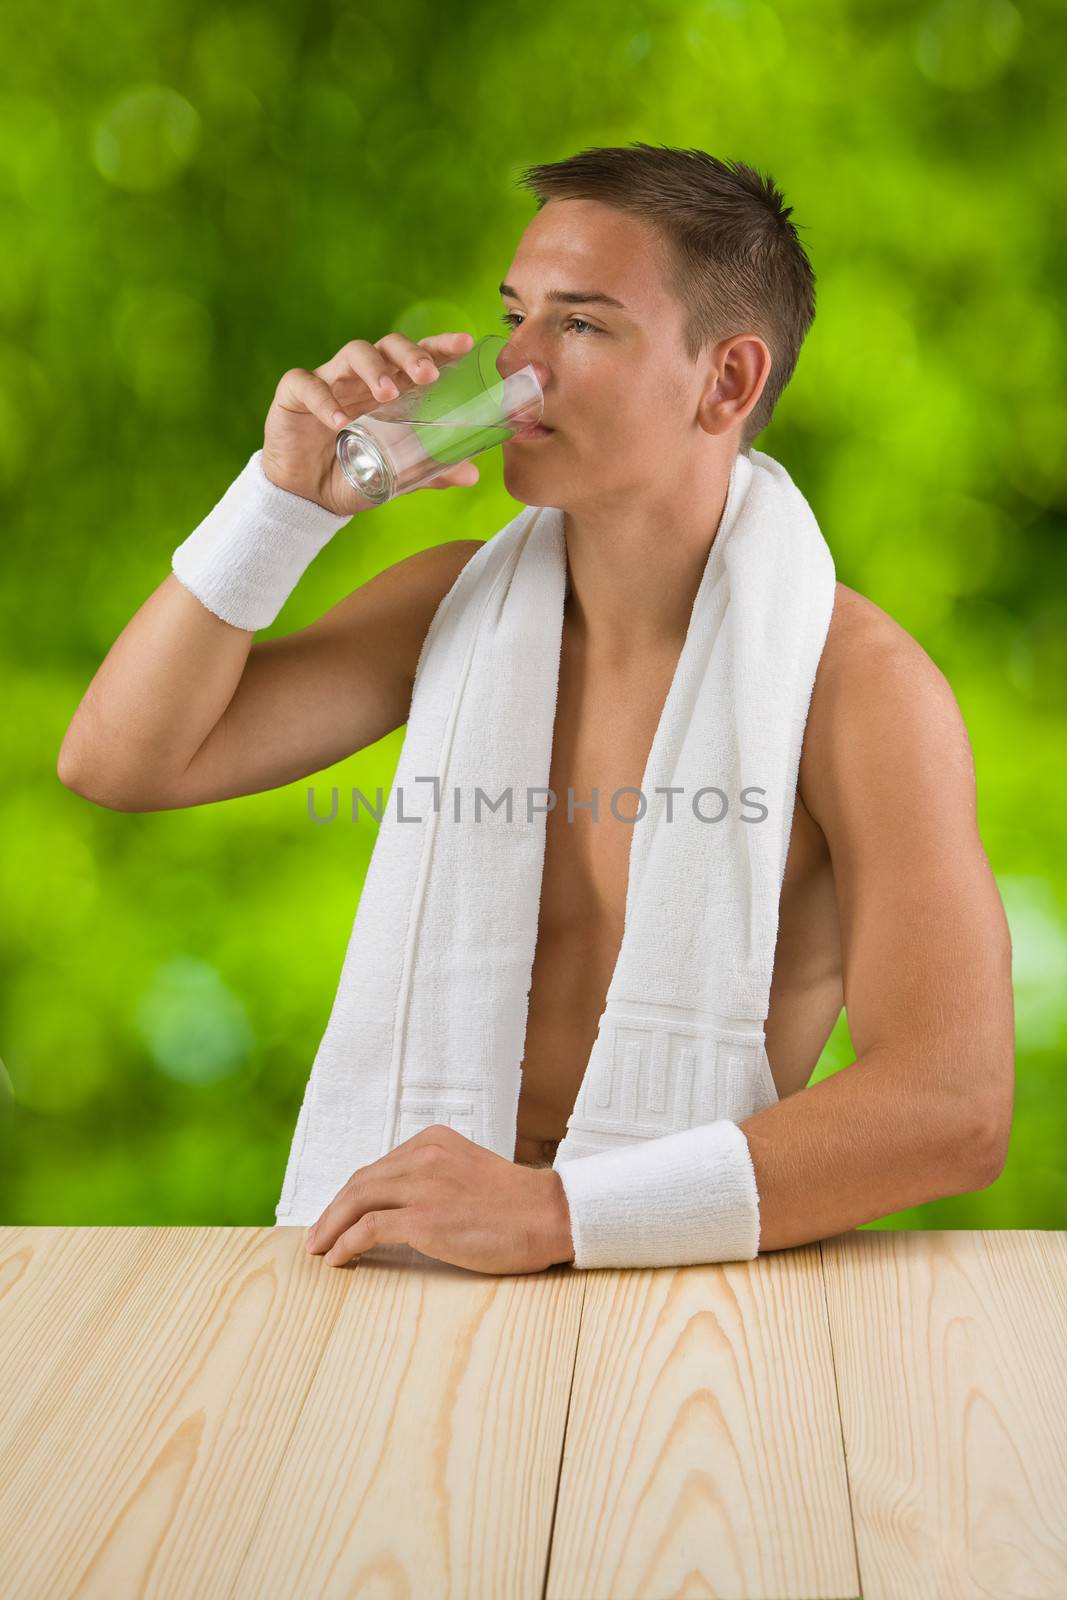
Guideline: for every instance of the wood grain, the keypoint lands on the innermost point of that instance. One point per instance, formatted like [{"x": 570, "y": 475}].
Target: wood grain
[
  {"x": 704, "y": 1451},
  {"x": 950, "y": 1351},
  {"x": 214, "y": 1412},
  {"x": 140, "y": 1467},
  {"x": 57, "y": 1290},
  {"x": 426, "y": 1459}
]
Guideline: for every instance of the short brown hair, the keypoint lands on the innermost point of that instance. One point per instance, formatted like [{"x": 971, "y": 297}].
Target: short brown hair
[{"x": 733, "y": 258}]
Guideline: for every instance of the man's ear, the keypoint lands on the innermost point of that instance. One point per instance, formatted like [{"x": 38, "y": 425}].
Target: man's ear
[{"x": 738, "y": 370}]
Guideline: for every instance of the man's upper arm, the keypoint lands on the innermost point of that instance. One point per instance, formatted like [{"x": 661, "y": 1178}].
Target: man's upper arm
[
  {"x": 308, "y": 699},
  {"x": 888, "y": 774}
]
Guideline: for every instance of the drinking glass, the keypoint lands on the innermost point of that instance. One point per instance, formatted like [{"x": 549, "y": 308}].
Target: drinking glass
[{"x": 468, "y": 408}]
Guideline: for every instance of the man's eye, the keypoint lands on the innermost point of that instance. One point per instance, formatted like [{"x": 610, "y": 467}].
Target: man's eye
[{"x": 508, "y": 315}]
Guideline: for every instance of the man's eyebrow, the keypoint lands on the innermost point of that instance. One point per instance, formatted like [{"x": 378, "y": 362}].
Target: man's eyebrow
[{"x": 571, "y": 297}]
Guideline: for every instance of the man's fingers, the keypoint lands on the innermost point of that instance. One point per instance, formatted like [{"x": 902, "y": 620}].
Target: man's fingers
[
  {"x": 374, "y": 1227},
  {"x": 359, "y": 359},
  {"x": 300, "y": 390},
  {"x": 463, "y": 473},
  {"x": 384, "y": 1184},
  {"x": 388, "y": 1186}
]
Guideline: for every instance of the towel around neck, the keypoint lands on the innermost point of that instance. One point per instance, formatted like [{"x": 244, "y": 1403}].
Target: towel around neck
[{"x": 428, "y": 1024}]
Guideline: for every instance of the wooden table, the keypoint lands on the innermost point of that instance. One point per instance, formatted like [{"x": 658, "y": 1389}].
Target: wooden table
[{"x": 208, "y": 1412}]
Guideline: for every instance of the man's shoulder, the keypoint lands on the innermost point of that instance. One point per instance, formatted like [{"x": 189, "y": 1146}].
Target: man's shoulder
[
  {"x": 857, "y": 621},
  {"x": 433, "y": 571},
  {"x": 881, "y": 708},
  {"x": 869, "y": 655}
]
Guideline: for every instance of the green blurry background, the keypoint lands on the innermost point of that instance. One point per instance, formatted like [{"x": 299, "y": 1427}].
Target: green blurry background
[{"x": 195, "y": 197}]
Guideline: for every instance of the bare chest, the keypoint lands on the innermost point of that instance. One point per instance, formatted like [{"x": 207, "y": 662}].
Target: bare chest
[{"x": 605, "y": 724}]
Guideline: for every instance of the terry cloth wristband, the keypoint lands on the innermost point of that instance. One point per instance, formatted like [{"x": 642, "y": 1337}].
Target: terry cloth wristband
[
  {"x": 671, "y": 1201},
  {"x": 250, "y": 552}
]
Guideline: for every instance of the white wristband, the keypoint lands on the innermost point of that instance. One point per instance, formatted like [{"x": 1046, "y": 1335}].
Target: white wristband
[
  {"x": 249, "y": 553},
  {"x": 673, "y": 1201}
]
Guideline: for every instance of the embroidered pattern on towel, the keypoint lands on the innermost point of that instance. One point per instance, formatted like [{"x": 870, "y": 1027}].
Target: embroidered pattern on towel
[
  {"x": 460, "y": 1104},
  {"x": 650, "y": 1077}
]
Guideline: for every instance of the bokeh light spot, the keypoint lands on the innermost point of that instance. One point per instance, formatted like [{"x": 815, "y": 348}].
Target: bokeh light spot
[
  {"x": 197, "y": 1031},
  {"x": 965, "y": 44},
  {"x": 146, "y": 138}
]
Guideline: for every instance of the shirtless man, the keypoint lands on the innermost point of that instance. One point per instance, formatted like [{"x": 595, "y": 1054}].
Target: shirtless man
[{"x": 889, "y": 906}]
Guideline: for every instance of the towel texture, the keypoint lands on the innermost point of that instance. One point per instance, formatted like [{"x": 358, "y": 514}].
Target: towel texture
[
  {"x": 251, "y": 550},
  {"x": 428, "y": 1024}
]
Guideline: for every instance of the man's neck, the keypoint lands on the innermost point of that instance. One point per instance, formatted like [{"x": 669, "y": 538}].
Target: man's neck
[{"x": 631, "y": 583}]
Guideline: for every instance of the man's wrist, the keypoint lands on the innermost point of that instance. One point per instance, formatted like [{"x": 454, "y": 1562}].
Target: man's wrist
[
  {"x": 245, "y": 558},
  {"x": 559, "y": 1219},
  {"x": 669, "y": 1201}
]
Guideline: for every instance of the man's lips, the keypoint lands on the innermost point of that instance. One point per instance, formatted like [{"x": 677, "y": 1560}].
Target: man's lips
[{"x": 536, "y": 430}]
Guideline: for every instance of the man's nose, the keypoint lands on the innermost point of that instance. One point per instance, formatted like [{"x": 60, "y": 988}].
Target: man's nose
[{"x": 512, "y": 358}]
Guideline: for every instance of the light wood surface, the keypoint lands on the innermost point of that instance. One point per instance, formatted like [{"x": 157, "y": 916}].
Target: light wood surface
[{"x": 211, "y": 1412}]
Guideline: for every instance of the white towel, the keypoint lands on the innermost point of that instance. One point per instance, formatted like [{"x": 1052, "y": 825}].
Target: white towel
[{"x": 429, "y": 1021}]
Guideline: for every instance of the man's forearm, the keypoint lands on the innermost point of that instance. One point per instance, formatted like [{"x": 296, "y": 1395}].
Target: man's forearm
[{"x": 872, "y": 1139}]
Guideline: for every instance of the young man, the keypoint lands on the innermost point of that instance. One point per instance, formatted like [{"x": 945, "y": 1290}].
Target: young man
[{"x": 662, "y": 298}]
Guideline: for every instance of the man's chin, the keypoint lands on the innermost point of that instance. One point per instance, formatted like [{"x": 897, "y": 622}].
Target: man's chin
[
  {"x": 527, "y": 495},
  {"x": 519, "y": 466}
]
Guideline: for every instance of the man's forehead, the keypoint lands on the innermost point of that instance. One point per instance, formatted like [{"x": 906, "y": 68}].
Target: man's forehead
[
  {"x": 570, "y": 271},
  {"x": 571, "y": 247}
]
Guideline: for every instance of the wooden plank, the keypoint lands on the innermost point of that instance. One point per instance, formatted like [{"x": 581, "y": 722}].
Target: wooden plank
[
  {"x": 426, "y": 1458},
  {"x": 44, "y": 1325},
  {"x": 142, "y": 1465},
  {"x": 950, "y": 1365},
  {"x": 703, "y": 1452}
]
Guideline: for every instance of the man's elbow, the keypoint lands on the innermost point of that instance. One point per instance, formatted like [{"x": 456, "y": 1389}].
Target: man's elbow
[
  {"x": 980, "y": 1067},
  {"x": 1000, "y": 1101},
  {"x": 994, "y": 1157},
  {"x": 89, "y": 786},
  {"x": 986, "y": 1151},
  {"x": 74, "y": 777}
]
